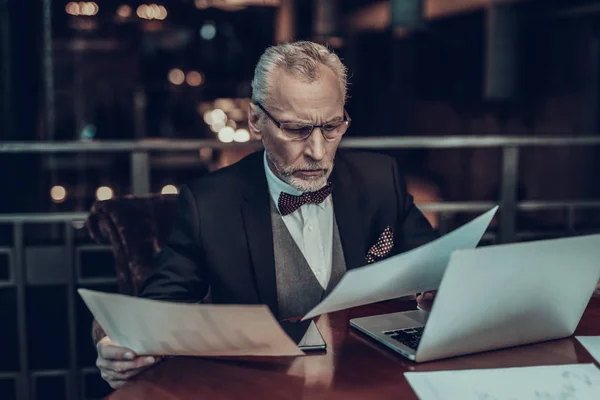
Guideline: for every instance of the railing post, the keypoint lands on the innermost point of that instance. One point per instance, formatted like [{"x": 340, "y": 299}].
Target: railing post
[
  {"x": 140, "y": 172},
  {"x": 508, "y": 201},
  {"x": 139, "y": 113},
  {"x": 49, "y": 100},
  {"x": 5, "y": 73},
  {"x": 20, "y": 279},
  {"x": 73, "y": 375}
]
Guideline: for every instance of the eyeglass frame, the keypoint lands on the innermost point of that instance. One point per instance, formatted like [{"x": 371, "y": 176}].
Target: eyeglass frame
[{"x": 278, "y": 124}]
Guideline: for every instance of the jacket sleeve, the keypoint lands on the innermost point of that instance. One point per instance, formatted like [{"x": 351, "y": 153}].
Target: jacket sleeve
[
  {"x": 178, "y": 274},
  {"x": 412, "y": 228}
]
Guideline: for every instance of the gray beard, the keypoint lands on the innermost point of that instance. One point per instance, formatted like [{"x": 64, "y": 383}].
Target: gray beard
[{"x": 302, "y": 185}]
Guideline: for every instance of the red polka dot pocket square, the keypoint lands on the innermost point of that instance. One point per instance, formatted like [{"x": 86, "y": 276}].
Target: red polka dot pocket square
[{"x": 382, "y": 248}]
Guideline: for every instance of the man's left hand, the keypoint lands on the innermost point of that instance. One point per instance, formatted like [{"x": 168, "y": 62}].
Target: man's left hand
[{"x": 425, "y": 300}]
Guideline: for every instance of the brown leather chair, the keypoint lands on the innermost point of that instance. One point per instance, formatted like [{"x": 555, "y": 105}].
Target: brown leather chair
[{"x": 136, "y": 228}]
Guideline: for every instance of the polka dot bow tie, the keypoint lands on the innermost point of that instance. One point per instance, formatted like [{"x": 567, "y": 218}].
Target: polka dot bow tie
[
  {"x": 288, "y": 203},
  {"x": 382, "y": 248}
]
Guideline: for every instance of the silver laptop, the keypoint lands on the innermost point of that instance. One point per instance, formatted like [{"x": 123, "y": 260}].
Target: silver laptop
[{"x": 495, "y": 297}]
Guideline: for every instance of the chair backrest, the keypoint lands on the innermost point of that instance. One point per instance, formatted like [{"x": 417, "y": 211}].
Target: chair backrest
[{"x": 136, "y": 228}]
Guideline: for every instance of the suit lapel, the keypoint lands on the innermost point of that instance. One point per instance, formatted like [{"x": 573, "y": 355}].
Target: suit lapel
[
  {"x": 259, "y": 232},
  {"x": 348, "y": 216}
]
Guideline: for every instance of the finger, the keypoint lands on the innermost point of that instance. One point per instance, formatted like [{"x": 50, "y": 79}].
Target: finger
[
  {"x": 117, "y": 384},
  {"x": 135, "y": 372},
  {"x": 114, "y": 383},
  {"x": 114, "y": 375},
  {"x": 425, "y": 299},
  {"x": 121, "y": 376},
  {"x": 124, "y": 366},
  {"x": 111, "y": 352},
  {"x": 423, "y": 304}
]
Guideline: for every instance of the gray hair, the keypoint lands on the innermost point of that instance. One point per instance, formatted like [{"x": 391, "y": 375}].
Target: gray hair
[{"x": 302, "y": 58}]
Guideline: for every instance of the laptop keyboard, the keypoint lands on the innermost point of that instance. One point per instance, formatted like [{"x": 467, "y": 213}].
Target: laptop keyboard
[{"x": 409, "y": 337}]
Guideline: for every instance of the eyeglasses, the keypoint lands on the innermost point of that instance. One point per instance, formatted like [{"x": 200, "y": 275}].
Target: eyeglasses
[{"x": 300, "y": 131}]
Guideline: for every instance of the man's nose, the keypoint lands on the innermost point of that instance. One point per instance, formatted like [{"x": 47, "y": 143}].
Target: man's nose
[{"x": 315, "y": 145}]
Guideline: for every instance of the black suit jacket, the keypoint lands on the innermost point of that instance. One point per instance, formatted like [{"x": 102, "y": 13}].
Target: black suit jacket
[{"x": 222, "y": 236}]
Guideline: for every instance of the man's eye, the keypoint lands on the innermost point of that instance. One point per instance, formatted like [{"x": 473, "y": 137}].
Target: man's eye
[{"x": 298, "y": 129}]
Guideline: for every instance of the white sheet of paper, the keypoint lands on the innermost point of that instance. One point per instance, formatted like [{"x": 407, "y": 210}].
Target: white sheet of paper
[
  {"x": 564, "y": 382},
  {"x": 312, "y": 337},
  {"x": 591, "y": 344},
  {"x": 415, "y": 271},
  {"x": 166, "y": 328}
]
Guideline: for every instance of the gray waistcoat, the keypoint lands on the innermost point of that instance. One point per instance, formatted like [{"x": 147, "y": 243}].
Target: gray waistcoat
[{"x": 298, "y": 290}]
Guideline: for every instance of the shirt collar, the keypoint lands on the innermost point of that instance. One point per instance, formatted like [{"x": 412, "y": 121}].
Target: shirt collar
[{"x": 276, "y": 185}]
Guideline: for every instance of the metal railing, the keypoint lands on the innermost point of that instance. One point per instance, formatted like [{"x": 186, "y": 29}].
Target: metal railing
[
  {"x": 140, "y": 161},
  {"x": 406, "y": 142},
  {"x": 19, "y": 278},
  {"x": 140, "y": 153}
]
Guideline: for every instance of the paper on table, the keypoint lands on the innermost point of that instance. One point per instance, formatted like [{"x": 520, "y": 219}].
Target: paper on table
[
  {"x": 418, "y": 270},
  {"x": 573, "y": 382},
  {"x": 591, "y": 344},
  {"x": 166, "y": 328}
]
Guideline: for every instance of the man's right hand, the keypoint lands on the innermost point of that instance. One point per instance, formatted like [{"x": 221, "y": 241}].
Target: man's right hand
[
  {"x": 118, "y": 364},
  {"x": 425, "y": 300}
]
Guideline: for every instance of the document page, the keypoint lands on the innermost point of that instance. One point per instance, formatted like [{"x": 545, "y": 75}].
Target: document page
[
  {"x": 418, "y": 270},
  {"x": 151, "y": 327},
  {"x": 591, "y": 344},
  {"x": 572, "y": 382}
]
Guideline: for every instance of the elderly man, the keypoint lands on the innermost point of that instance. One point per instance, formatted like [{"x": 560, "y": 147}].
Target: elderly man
[{"x": 283, "y": 225}]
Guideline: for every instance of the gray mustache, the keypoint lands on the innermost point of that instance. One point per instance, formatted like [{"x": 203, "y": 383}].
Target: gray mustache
[{"x": 309, "y": 167}]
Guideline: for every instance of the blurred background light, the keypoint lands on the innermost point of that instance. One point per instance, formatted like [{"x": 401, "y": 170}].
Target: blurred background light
[
  {"x": 208, "y": 118},
  {"x": 142, "y": 11},
  {"x": 202, "y": 4},
  {"x": 169, "y": 189},
  {"x": 226, "y": 134},
  {"x": 225, "y": 104},
  {"x": 72, "y": 8},
  {"x": 82, "y": 8},
  {"x": 194, "y": 78},
  {"x": 58, "y": 193},
  {"x": 208, "y": 31},
  {"x": 104, "y": 193},
  {"x": 218, "y": 116},
  {"x": 124, "y": 11},
  {"x": 241, "y": 135},
  {"x": 176, "y": 76},
  {"x": 78, "y": 224},
  {"x": 152, "y": 11},
  {"x": 217, "y": 126}
]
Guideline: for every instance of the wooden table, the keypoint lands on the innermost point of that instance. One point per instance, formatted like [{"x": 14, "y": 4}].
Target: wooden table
[{"x": 353, "y": 367}]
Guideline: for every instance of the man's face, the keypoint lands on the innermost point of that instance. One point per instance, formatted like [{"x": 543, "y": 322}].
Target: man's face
[{"x": 303, "y": 164}]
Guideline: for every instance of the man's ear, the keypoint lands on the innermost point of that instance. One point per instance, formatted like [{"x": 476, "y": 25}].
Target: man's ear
[{"x": 254, "y": 121}]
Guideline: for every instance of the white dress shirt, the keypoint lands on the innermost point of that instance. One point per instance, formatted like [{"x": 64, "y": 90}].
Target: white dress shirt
[{"x": 311, "y": 227}]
